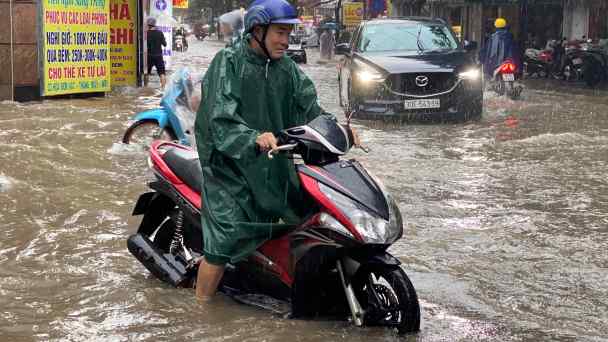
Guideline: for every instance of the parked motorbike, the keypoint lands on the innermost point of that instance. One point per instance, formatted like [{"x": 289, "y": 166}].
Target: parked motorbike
[
  {"x": 585, "y": 62},
  {"x": 538, "y": 63},
  {"x": 334, "y": 263},
  {"x": 504, "y": 80},
  {"x": 174, "y": 120}
]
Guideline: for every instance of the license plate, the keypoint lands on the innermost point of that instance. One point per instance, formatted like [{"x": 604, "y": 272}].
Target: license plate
[
  {"x": 422, "y": 104},
  {"x": 577, "y": 61},
  {"x": 508, "y": 77}
]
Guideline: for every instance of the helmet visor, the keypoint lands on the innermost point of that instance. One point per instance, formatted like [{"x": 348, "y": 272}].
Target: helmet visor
[{"x": 292, "y": 21}]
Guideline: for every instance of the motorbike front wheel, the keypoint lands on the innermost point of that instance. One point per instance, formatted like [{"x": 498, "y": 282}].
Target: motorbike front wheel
[
  {"x": 145, "y": 131},
  {"x": 389, "y": 299}
]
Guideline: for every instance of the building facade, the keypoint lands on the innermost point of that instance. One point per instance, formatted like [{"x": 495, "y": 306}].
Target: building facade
[
  {"x": 533, "y": 22},
  {"x": 19, "y": 79}
]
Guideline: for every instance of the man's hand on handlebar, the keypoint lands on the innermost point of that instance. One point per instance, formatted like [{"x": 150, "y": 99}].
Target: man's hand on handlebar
[{"x": 266, "y": 141}]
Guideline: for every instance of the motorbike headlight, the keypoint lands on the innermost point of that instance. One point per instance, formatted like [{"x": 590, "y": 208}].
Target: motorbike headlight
[
  {"x": 471, "y": 74},
  {"x": 367, "y": 74},
  {"x": 329, "y": 221},
  {"x": 372, "y": 228}
]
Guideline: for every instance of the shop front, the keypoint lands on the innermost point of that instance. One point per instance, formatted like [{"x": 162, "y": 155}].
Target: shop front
[{"x": 586, "y": 19}]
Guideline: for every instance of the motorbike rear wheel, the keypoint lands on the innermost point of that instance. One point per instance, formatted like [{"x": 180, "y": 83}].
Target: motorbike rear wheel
[
  {"x": 389, "y": 299},
  {"x": 498, "y": 87},
  {"x": 145, "y": 131},
  {"x": 512, "y": 91}
]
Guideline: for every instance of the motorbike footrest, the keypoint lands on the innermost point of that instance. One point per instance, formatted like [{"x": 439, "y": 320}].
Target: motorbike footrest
[{"x": 163, "y": 266}]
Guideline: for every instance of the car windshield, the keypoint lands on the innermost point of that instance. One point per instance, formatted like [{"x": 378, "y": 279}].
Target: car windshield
[{"x": 406, "y": 37}]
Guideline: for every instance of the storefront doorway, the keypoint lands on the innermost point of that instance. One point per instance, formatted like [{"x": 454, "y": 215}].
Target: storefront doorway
[{"x": 544, "y": 24}]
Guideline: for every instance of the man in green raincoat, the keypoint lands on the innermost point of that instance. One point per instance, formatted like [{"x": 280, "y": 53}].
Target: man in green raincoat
[{"x": 251, "y": 91}]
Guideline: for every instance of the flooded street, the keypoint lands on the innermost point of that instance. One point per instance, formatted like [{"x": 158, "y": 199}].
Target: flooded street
[{"x": 506, "y": 223}]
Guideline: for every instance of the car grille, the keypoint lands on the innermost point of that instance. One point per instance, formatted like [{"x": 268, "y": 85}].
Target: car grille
[{"x": 438, "y": 82}]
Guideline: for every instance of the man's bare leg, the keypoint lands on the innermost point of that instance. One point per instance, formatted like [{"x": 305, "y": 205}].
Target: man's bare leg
[
  {"x": 207, "y": 280},
  {"x": 163, "y": 81}
]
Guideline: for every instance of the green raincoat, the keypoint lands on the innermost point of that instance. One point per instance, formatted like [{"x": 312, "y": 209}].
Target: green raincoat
[{"x": 245, "y": 194}]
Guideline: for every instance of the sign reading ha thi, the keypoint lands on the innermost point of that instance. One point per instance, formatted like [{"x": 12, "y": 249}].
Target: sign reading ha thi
[{"x": 123, "y": 42}]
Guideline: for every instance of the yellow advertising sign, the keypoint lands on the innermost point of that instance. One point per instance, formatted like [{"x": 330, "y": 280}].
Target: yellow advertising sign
[
  {"x": 76, "y": 41},
  {"x": 352, "y": 12},
  {"x": 123, "y": 42},
  {"x": 180, "y": 3}
]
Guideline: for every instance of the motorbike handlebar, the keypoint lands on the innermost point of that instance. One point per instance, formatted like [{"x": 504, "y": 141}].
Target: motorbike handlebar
[{"x": 287, "y": 147}]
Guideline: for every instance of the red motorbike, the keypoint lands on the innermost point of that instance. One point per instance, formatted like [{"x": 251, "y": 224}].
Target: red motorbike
[
  {"x": 504, "y": 80},
  {"x": 334, "y": 264}
]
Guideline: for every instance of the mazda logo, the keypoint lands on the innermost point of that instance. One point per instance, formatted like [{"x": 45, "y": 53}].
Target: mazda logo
[{"x": 422, "y": 81}]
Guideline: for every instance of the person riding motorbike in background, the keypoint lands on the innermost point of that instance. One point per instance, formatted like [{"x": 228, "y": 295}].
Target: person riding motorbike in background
[
  {"x": 498, "y": 47},
  {"x": 181, "y": 31},
  {"x": 252, "y": 90}
]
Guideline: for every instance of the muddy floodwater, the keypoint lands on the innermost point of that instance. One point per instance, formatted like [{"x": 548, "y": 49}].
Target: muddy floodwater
[{"x": 506, "y": 223}]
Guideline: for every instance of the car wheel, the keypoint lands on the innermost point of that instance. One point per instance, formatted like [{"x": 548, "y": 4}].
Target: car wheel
[{"x": 350, "y": 102}]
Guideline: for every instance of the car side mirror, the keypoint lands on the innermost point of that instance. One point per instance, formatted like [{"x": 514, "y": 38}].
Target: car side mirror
[
  {"x": 470, "y": 46},
  {"x": 342, "y": 49}
]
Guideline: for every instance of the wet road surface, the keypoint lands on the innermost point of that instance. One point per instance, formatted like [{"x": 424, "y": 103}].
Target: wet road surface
[{"x": 505, "y": 238}]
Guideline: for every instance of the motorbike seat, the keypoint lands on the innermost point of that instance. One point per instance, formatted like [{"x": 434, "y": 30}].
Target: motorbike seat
[{"x": 186, "y": 166}]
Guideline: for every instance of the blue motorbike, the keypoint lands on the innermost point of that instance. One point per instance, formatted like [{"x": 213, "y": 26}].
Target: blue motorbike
[{"x": 174, "y": 120}]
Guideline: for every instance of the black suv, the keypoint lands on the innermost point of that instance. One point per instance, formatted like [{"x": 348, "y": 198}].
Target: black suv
[{"x": 409, "y": 67}]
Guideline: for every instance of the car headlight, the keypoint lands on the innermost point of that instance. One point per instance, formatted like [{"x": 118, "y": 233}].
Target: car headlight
[
  {"x": 368, "y": 74},
  {"x": 471, "y": 74},
  {"x": 372, "y": 228}
]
